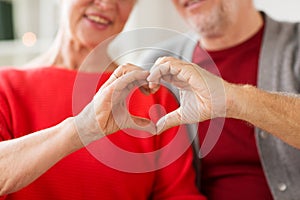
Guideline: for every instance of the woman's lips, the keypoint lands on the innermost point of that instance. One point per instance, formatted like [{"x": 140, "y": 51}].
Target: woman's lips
[
  {"x": 192, "y": 2},
  {"x": 99, "y": 19}
]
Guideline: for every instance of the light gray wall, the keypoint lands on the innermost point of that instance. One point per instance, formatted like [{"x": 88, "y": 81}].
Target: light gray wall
[
  {"x": 280, "y": 9},
  {"x": 40, "y": 16},
  {"x": 161, "y": 13}
]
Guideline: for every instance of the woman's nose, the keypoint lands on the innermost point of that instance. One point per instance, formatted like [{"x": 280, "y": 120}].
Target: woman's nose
[{"x": 106, "y": 3}]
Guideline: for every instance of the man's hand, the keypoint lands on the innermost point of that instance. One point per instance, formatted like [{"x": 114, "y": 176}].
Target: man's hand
[{"x": 202, "y": 94}]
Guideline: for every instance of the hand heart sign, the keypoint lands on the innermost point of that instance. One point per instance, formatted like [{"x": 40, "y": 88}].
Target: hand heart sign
[{"x": 202, "y": 97}]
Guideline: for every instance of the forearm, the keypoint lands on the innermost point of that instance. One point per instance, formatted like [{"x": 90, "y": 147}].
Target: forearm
[
  {"x": 24, "y": 159},
  {"x": 275, "y": 113}
]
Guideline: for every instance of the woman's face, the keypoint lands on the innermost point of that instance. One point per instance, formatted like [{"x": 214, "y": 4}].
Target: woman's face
[{"x": 89, "y": 22}]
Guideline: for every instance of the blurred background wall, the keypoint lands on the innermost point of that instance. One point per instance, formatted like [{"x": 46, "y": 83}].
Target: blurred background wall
[{"x": 35, "y": 23}]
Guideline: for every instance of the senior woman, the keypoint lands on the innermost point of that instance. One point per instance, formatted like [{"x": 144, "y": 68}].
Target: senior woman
[{"x": 56, "y": 140}]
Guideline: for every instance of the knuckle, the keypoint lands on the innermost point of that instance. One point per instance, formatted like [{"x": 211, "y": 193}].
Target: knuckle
[
  {"x": 127, "y": 67},
  {"x": 163, "y": 58}
]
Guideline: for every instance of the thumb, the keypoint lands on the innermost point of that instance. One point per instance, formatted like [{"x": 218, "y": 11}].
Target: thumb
[
  {"x": 143, "y": 124},
  {"x": 168, "y": 121}
]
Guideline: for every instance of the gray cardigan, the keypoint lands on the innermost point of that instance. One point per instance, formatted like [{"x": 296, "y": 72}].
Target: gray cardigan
[{"x": 279, "y": 70}]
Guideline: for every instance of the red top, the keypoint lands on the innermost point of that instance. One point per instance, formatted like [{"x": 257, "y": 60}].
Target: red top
[
  {"x": 232, "y": 170},
  {"x": 120, "y": 166}
]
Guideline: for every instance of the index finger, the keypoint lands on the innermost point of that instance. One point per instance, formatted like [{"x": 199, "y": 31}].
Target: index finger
[
  {"x": 120, "y": 71},
  {"x": 123, "y": 85}
]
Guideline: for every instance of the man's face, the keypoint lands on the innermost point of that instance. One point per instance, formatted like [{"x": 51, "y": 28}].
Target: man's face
[{"x": 209, "y": 17}]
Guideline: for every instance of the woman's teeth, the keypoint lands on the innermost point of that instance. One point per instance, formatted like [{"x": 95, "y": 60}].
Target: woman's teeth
[
  {"x": 98, "y": 19},
  {"x": 191, "y": 2}
]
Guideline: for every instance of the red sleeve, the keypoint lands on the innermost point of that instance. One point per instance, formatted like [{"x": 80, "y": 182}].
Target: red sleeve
[{"x": 5, "y": 133}]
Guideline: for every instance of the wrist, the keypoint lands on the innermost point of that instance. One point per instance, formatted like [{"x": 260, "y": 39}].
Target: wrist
[
  {"x": 71, "y": 134},
  {"x": 238, "y": 99},
  {"x": 86, "y": 125}
]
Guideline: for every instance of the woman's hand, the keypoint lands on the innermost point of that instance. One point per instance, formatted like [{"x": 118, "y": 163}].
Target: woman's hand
[{"x": 108, "y": 113}]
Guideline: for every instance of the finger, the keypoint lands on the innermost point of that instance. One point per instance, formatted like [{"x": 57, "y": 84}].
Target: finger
[
  {"x": 168, "y": 72},
  {"x": 123, "y": 86},
  {"x": 145, "y": 89},
  {"x": 144, "y": 86},
  {"x": 166, "y": 68},
  {"x": 143, "y": 124},
  {"x": 130, "y": 80},
  {"x": 164, "y": 59},
  {"x": 158, "y": 70},
  {"x": 180, "y": 74},
  {"x": 119, "y": 72},
  {"x": 156, "y": 74},
  {"x": 168, "y": 121}
]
